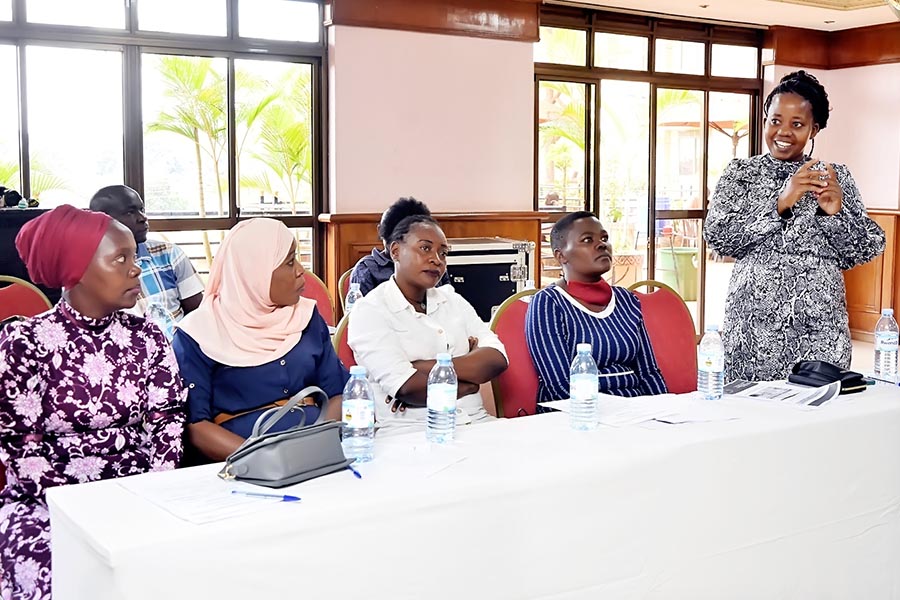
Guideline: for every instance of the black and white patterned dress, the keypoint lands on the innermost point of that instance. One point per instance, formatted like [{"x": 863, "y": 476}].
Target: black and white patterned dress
[{"x": 786, "y": 299}]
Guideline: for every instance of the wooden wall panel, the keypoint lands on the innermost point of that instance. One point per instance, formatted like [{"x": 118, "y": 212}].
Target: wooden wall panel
[
  {"x": 874, "y": 285},
  {"x": 874, "y": 45},
  {"x": 348, "y": 237},
  {"x": 858, "y": 47},
  {"x": 502, "y": 19}
]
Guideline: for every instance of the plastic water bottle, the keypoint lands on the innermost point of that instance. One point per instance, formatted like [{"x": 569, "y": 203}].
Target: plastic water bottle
[
  {"x": 358, "y": 409},
  {"x": 158, "y": 314},
  {"x": 441, "y": 401},
  {"x": 887, "y": 334},
  {"x": 352, "y": 296},
  {"x": 711, "y": 364},
  {"x": 583, "y": 390}
]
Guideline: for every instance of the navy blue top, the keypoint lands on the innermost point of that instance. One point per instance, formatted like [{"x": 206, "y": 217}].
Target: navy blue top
[
  {"x": 374, "y": 269},
  {"x": 214, "y": 388},
  {"x": 555, "y": 324}
]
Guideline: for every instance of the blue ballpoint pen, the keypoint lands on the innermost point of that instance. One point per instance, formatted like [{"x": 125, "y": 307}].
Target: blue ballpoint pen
[
  {"x": 282, "y": 497},
  {"x": 354, "y": 471}
]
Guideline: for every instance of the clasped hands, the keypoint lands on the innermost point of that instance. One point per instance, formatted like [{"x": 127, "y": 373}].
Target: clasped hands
[
  {"x": 464, "y": 388},
  {"x": 823, "y": 185}
]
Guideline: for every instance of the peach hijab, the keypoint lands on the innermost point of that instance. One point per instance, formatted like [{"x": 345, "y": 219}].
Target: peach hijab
[{"x": 237, "y": 324}]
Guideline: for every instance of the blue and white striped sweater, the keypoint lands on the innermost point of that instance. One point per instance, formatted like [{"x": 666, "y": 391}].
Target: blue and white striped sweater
[{"x": 556, "y": 323}]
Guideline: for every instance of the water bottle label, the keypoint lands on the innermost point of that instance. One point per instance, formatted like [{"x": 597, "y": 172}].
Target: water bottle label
[
  {"x": 583, "y": 388},
  {"x": 886, "y": 341},
  {"x": 442, "y": 397},
  {"x": 358, "y": 414},
  {"x": 710, "y": 362}
]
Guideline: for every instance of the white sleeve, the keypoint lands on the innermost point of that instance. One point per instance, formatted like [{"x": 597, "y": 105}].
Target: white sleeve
[{"x": 377, "y": 346}]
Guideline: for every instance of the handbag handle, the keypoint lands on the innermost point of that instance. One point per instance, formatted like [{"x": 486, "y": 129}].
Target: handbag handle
[{"x": 268, "y": 419}]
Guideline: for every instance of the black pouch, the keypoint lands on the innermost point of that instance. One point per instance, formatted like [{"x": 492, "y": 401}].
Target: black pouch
[{"x": 818, "y": 373}]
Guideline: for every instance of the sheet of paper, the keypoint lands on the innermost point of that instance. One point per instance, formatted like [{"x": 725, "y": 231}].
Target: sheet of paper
[
  {"x": 618, "y": 411},
  {"x": 413, "y": 461},
  {"x": 785, "y": 392},
  {"x": 199, "y": 496}
]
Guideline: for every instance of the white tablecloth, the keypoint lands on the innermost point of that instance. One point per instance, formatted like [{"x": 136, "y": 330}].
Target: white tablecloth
[{"x": 781, "y": 503}]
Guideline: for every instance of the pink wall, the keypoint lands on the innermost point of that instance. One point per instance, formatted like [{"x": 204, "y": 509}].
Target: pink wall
[
  {"x": 446, "y": 119},
  {"x": 863, "y": 129}
]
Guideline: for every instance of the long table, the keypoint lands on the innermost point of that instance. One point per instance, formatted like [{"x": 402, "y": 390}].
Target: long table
[{"x": 780, "y": 503}]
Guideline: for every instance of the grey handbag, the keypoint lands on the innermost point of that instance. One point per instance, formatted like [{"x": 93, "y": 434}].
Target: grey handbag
[{"x": 290, "y": 456}]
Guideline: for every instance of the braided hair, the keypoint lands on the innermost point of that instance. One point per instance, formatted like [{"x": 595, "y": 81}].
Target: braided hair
[{"x": 807, "y": 87}]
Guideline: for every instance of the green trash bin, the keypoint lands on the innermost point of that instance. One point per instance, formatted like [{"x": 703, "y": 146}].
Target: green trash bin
[{"x": 677, "y": 268}]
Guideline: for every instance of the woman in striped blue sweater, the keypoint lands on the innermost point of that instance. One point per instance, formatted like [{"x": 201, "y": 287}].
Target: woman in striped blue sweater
[{"x": 582, "y": 307}]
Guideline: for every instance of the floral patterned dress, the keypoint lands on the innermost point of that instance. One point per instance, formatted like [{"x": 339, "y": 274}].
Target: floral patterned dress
[
  {"x": 786, "y": 300},
  {"x": 81, "y": 399}
]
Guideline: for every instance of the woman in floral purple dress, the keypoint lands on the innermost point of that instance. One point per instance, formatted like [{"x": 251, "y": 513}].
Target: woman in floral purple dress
[{"x": 87, "y": 392}]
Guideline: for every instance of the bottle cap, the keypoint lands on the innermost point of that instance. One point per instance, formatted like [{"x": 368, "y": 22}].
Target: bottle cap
[
  {"x": 583, "y": 347},
  {"x": 712, "y": 327},
  {"x": 354, "y": 286},
  {"x": 444, "y": 357},
  {"x": 358, "y": 370},
  {"x": 887, "y": 312}
]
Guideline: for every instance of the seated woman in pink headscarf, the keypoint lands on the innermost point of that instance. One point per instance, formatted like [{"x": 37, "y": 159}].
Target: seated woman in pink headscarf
[
  {"x": 254, "y": 342},
  {"x": 87, "y": 391}
]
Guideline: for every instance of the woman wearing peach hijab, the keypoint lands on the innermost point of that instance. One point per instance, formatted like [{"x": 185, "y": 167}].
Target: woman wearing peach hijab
[{"x": 254, "y": 341}]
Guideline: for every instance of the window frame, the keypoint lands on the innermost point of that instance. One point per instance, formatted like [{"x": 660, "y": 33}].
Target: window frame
[
  {"x": 653, "y": 28},
  {"x": 133, "y": 43}
]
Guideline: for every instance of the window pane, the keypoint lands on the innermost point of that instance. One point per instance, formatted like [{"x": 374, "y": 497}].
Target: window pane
[
  {"x": 678, "y": 244},
  {"x": 729, "y": 137},
  {"x": 624, "y": 175},
  {"x": 9, "y": 122},
  {"x": 200, "y": 17},
  {"x": 274, "y": 137},
  {"x": 561, "y": 46},
  {"x": 562, "y": 140},
  {"x": 286, "y": 20},
  {"x": 89, "y": 13},
  {"x": 680, "y": 57},
  {"x": 76, "y": 138},
  {"x": 5, "y": 10},
  {"x": 679, "y": 149},
  {"x": 734, "y": 61},
  {"x": 185, "y": 136},
  {"x": 617, "y": 51}
]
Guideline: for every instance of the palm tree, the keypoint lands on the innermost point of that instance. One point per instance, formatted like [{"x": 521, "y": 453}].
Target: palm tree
[{"x": 41, "y": 179}]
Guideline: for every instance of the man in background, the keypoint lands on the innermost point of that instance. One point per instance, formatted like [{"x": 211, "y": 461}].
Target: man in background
[{"x": 168, "y": 279}]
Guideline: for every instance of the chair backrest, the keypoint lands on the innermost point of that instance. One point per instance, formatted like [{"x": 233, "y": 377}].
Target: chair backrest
[
  {"x": 339, "y": 341},
  {"x": 671, "y": 329},
  {"x": 21, "y": 298},
  {"x": 344, "y": 287},
  {"x": 317, "y": 290},
  {"x": 515, "y": 390}
]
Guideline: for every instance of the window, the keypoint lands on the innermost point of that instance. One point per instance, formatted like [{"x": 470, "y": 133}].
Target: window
[
  {"x": 185, "y": 135},
  {"x": 673, "y": 56},
  {"x": 287, "y": 20},
  {"x": 665, "y": 128},
  {"x": 198, "y": 17},
  {"x": 208, "y": 114},
  {"x": 89, "y": 13},
  {"x": 274, "y": 125},
  {"x": 5, "y": 10},
  {"x": 734, "y": 61},
  {"x": 76, "y": 151},
  {"x": 561, "y": 46},
  {"x": 9, "y": 124},
  {"x": 617, "y": 51}
]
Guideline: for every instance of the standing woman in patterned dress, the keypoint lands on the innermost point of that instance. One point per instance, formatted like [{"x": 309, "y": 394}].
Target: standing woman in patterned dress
[
  {"x": 793, "y": 223},
  {"x": 87, "y": 391}
]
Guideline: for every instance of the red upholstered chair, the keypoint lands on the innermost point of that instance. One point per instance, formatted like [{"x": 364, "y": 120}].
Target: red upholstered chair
[
  {"x": 515, "y": 390},
  {"x": 344, "y": 287},
  {"x": 672, "y": 334},
  {"x": 339, "y": 341},
  {"x": 317, "y": 290},
  {"x": 20, "y": 298}
]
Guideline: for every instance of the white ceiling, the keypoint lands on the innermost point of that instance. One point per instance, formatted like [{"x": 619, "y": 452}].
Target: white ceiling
[{"x": 757, "y": 12}]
